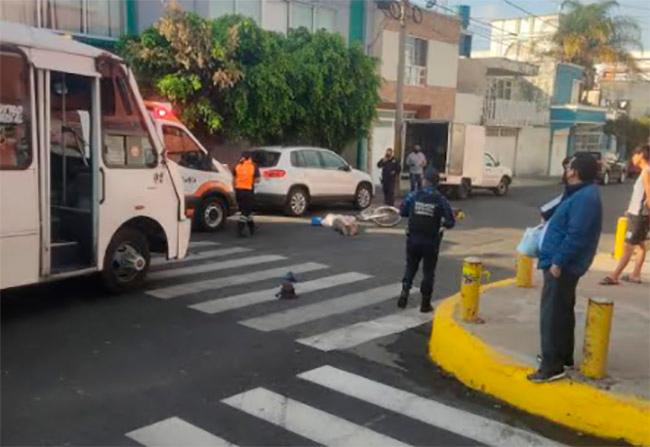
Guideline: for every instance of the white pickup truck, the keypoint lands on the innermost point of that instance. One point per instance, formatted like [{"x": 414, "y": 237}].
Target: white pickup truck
[{"x": 457, "y": 151}]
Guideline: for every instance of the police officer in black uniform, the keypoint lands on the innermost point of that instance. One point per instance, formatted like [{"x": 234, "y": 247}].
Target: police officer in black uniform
[{"x": 428, "y": 211}]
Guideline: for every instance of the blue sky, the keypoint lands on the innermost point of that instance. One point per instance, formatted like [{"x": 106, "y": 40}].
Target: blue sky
[{"x": 493, "y": 9}]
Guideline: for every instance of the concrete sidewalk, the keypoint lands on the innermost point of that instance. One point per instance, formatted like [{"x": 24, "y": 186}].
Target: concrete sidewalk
[{"x": 495, "y": 357}]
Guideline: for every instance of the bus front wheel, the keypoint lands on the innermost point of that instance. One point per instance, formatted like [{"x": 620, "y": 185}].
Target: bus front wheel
[{"x": 126, "y": 260}]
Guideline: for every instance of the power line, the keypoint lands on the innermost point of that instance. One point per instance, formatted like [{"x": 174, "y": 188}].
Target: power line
[{"x": 516, "y": 6}]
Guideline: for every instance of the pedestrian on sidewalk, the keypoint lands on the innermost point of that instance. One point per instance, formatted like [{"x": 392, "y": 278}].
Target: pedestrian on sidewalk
[
  {"x": 638, "y": 222},
  {"x": 427, "y": 211},
  {"x": 416, "y": 162},
  {"x": 390, "y": 169},
  {"x": 246, "y": 175},
  {"x": 567, "y": 250}
]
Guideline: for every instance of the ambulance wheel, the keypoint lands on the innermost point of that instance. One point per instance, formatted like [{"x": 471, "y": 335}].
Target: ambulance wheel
[
  {"x": 126, "y": 261},
  {"x": 212, "y": 214}
]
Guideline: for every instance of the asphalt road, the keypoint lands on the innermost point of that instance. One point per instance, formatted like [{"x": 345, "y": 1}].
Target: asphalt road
[{"x": 187, "y": 361}]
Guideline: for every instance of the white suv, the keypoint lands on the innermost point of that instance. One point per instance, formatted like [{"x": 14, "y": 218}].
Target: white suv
[{"x": 295, "y": 177}]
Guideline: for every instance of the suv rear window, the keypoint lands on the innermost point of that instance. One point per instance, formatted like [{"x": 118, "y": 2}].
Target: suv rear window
[{"x": 266, "y": 159}]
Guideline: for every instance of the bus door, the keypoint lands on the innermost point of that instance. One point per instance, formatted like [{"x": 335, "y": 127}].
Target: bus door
[
  {"x": 72, "y": 173},
  {"x": 19, "y": 213}
]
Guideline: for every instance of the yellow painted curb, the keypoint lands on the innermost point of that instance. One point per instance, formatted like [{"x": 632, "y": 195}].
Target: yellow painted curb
[{"x": 573, "y": 404}]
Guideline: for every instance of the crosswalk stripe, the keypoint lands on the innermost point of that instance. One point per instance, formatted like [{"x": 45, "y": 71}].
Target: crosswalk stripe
[
  {"x": 196, "y": 244},
  {"x": 173, "y": 432},
  {"x": 234, "y": 280},
  {"x": 311, "y": 312},
  {"x": 469, "y": 425},
  {"x": 214, "y": 266},
  {"x": 355, "y": 334},
  {"x": 306, "y": 421},
  {"x": 261, "y": 296},
  {"x": 201, "y": 255}
]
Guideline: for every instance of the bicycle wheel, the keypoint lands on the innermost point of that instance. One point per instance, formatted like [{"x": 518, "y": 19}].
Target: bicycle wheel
[{"x": 386, "y": 216}]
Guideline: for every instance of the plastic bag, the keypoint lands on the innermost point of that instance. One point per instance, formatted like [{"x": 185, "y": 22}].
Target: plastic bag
[{"x": 530, "y": 241}]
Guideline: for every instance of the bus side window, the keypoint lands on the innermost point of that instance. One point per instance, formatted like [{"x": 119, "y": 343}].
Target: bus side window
[
  {"x": 15, "y": 125},
  {"x": 127, "y": 143}
]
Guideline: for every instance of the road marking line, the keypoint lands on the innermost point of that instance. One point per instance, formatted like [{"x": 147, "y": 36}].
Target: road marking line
[
  {"x": 355, "y": 334},
  {"x": 316, "y": 311},
  {"x": 214, "y": 266},
  {"x": 173, "y": 432},
  {"x": 262, "y": 296},
  {"x": 201, "y": 255},
  {"x": 306, "y": 421},
  {"x": 195, "y": 244},
  {"x": 463, "y": 423},
  {"x": 234, "y": 280},
  {"x": 397, "y": 231}
]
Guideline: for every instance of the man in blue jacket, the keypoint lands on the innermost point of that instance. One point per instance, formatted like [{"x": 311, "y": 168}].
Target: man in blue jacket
[
  {"x": 428, "y": 211},
  {"x": 567, "y": 251}
]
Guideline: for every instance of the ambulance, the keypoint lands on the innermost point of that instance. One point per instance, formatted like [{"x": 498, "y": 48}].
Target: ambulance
[{"x": 207, "y": 184}]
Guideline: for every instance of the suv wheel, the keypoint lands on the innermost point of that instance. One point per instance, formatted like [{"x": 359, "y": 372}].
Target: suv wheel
[
  {"x": 297, "y": 202},
  {"x": 363, "y": 197}
]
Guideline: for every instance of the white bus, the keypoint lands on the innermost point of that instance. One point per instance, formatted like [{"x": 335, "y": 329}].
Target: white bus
[{"x": 84, "y": 183}]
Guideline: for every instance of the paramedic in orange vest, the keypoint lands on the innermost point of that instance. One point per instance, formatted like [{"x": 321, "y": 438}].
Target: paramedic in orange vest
[{"x": 246, "y": 174}]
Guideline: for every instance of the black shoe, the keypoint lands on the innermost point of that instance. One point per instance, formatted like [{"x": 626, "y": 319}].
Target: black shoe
[
  {"x": 568, "y": 364},
  {"x": 403, "y": 299},
  {"x": 426, "y": 308},
  {"x": 252, "y": 228},
  {"x": 540, "y": 376},
  {"x": 425, "y": 305}
]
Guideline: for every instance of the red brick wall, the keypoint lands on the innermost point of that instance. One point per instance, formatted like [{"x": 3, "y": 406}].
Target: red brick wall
[
  {"x": 429, "y": 102},
  {"x": 434, "y": 26}
]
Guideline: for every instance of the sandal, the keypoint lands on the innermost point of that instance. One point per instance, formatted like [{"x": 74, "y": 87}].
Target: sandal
[
  {"x": 607, "y": 281},
  {"x": 628, "y": 278}
]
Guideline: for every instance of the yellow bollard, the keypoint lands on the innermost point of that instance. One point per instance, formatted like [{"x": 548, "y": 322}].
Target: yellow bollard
[
  {"x": 597, "y": 328},
  {"x": 524, "y": 271},
  {"x": 470, "y": 289},
  {"x": 621, "y": 229}
]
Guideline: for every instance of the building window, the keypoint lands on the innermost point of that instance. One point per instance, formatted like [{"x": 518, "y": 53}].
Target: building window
[
  {"x": 105, "y": 18},
  {"x": 19, "y": 11},
  {"x": 102, "y": 18},
  {"x": 501, "y": 89},
  {"x": 247, "y": 8},
  {"x": 313, "y": 18},
  {"x": 416, "y": 61}
]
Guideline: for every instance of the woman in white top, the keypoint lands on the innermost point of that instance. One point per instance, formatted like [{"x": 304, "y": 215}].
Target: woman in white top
[{"x": 638, "y": 222}]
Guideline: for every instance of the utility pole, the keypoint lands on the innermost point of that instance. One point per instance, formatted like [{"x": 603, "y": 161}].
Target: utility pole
[{"x": 399, "y": 94}]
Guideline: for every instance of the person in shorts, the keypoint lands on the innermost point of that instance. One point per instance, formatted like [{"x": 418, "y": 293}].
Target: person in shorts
[{"x": 638, "y": 223}]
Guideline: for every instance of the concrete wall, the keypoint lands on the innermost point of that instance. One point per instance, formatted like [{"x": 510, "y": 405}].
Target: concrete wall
[
  {"x": 472, "y": 77},
  {"x": 442, "y": 64},
  {"x": 636, "y": 92},
  {"x": 565, "y": 76},
  {"x": 388, "y": 55},
  {"x": 533, "y": 146},
  {"x": 468, "y": 109}
]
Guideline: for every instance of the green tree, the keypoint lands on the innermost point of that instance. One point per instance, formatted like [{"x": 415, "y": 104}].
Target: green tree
[
  {"x": 630, "y": 133},
  {"x": 589, "y": 33},
  {"x": 232, "y": 77}
]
